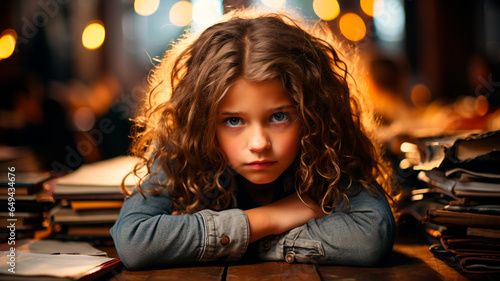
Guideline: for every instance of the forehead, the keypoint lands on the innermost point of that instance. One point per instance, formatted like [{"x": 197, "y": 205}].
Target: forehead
[{"x": 247, "y": 94}]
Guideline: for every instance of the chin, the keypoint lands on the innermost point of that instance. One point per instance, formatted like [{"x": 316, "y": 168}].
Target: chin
[{"x": 261, "y": 180}]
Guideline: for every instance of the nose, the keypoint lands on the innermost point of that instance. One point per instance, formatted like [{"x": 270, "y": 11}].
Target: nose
[{"x": 259, "y": 140}]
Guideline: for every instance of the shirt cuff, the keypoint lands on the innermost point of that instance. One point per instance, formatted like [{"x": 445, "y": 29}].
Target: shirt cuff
[
  {"x": 291, "y": 248},
  {"x": 227, "y": 234}
]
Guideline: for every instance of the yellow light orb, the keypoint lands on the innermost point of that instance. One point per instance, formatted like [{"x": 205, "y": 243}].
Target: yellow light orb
[
  {"x": 93, "y": 35},
  {"x": 7, "y": 43},
  {"x": 352, "y": 27},
  {"x": 181, "y": 13},
  {"x": 326, "y": 9},
  {"x": 367, "y": 6},
  {"x": 408, "y": 147},
  {"x": 146, "y": 7}
]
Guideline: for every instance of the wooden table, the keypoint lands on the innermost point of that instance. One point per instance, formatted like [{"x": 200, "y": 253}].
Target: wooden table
[{"x": 410, "y": 260}]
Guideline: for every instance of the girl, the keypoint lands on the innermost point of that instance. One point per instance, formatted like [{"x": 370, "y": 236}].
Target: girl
[{"x": 253, "y": 139}]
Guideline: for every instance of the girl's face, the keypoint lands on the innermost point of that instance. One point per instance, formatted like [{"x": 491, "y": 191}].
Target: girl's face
[{"x": 258, "y": 130}]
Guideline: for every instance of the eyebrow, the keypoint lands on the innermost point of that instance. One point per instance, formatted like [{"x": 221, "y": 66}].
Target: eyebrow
[{"x": 273, "y": 110}]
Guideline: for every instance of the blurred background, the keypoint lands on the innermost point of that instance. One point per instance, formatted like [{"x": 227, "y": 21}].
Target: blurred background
[{"x": 72, "y": 71}]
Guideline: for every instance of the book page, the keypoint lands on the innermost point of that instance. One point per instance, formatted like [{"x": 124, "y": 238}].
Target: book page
[
  {"x": 103, "y": 173},
  {"x": 31, "y": 264},
  {"x": 474, "y": 148},
  {"x": 55, "y": 247}
]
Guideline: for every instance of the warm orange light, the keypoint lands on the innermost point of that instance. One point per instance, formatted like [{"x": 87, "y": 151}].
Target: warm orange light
[
  {"x": 371, "y": 7},
  {"x": 181, "y": 13},
  {"x": 367, "y": 6},
  {"x": 146, "y": 7},
  {"x": 93, "y": 35},
  {"x": 8, "y": 40},
  {"x": 326, "y": 9},
  {"x": 421, "y": 95},
  {"x": 352, "y": 27},
  {"x": 481, "y": 105},
  {"x": 408, "y": 147}
]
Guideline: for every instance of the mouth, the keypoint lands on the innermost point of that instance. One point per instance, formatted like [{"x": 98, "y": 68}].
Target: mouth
[{"x": 261, "y": 165}]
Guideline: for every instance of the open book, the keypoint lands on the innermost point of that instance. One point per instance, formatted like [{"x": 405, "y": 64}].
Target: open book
[
  {"x": 103, "y": 177},
  {"x": 475, "y": 152},
  {"x": 54, "y": 260}
]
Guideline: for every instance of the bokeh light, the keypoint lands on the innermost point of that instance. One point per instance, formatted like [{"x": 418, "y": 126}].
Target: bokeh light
[
  {"x": 181, "y": 13},
  {"x": 421, "y": 96},
  {"x": 84, "y": 119},
  {"x": 276, "y": 4},
  {"x": 326, "y": 9},
  {"x": 146, "y": 7},
  {"x": 481, "y": 105},
  {"x": 367, "y": 6},
  {"x": 8, "y": 40},
  {"x": 352, "y": 27},
  {"x": 408, "y": 147},
  {"x": 389, "y": 20},
  {"x": 206, "y": 12},
  {"x": 93, "y": 35}
]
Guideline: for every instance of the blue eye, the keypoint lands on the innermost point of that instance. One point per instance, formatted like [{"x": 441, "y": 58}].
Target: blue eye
[
  {"x": 280, "y": 117},
  {"x": 233, "y": 122}
]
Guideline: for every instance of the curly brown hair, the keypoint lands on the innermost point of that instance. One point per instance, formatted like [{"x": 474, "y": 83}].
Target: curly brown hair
[{"x": 175, "y": 125}]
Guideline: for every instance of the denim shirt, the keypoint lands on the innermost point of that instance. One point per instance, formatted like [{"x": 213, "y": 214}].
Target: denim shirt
[{"x": 147, "y": 236}]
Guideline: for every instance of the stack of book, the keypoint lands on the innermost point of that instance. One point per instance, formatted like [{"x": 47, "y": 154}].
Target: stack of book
[
  {"x": 460, "y": 203},
  {"x": 26, "y": 203},
  {"x": 89, "y": 199}
]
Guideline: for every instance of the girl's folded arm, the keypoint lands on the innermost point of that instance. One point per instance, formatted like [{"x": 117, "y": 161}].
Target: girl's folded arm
[
  {"x": 279, "y": 216},
  {"x": 362, "y": 237},
  {"x": 147, "y": 236}
]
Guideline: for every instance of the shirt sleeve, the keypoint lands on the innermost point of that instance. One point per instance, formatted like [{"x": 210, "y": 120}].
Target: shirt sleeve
[
  {"x": 147, "y": 235},
  {"x": 364, "y": 236}
]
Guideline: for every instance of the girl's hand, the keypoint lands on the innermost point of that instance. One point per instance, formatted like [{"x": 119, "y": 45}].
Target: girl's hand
[
  {"x": 281, "y": 216},
  {"x": 313, "y": 206}
]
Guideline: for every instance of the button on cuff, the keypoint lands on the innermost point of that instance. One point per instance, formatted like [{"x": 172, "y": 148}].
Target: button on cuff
[
  {"x": 224, "y": 241},
  {"x": 231, "y": 223},
  {"x": 290, "y": 257}
]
